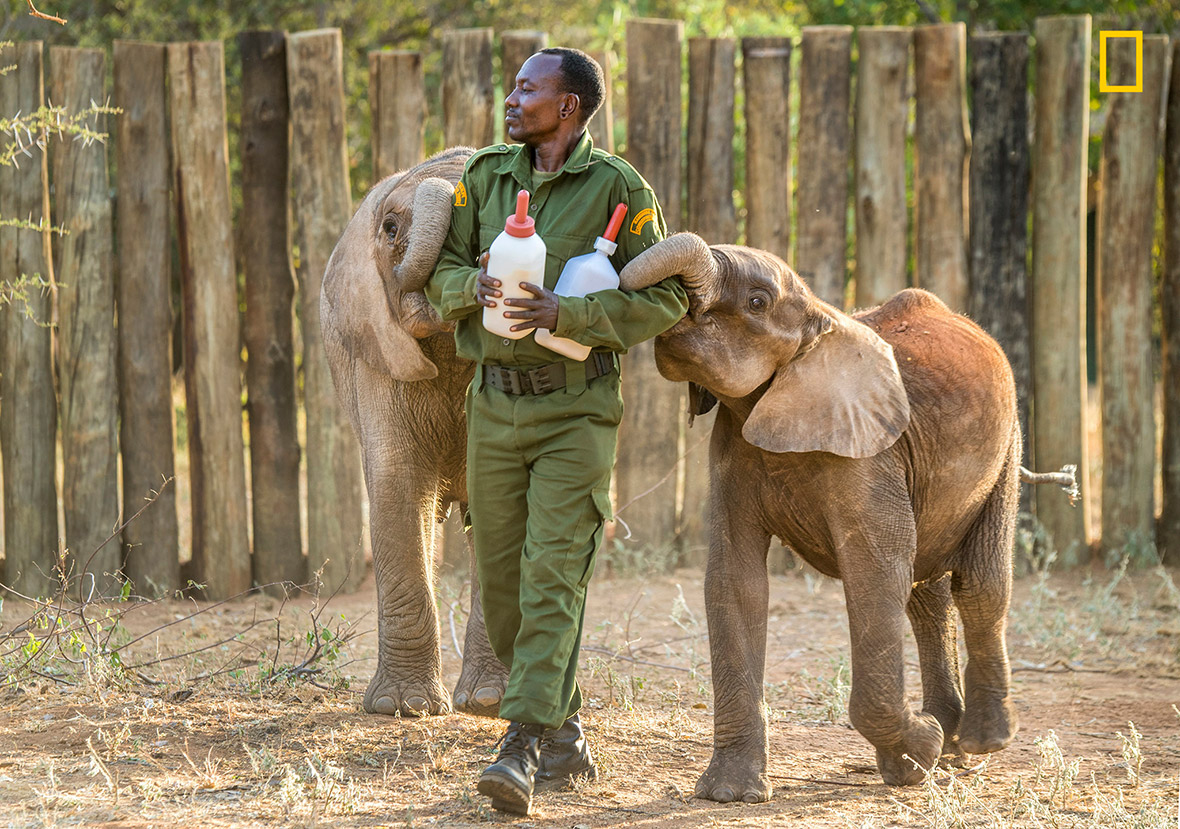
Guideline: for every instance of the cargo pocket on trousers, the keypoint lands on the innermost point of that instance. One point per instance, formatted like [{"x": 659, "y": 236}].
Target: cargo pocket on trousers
[{"x": 602, "y": 506}]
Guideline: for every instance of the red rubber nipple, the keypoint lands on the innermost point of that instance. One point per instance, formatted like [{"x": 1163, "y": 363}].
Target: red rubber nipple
[{"x": 520, "y": 224}]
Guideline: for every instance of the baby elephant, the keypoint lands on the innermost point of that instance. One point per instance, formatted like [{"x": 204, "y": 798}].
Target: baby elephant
[{"x": 884, "y": 449}]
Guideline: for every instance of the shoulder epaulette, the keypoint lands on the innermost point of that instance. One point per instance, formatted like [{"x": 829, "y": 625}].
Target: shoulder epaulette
[{"x": 634, "y": 180}]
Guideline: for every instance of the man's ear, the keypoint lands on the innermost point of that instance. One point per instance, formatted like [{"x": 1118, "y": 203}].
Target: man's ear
[{"x": 569, "y": 105}]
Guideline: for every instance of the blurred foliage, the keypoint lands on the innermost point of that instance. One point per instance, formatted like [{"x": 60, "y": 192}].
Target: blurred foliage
[{"x": 367, "y": 25}]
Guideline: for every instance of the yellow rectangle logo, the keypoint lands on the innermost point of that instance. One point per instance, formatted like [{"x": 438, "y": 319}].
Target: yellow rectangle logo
[{"x": 1103, "y": 86}]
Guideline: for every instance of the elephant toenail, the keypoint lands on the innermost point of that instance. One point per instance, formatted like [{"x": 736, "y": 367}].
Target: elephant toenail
[
  {"x": 461, "y": 699},
  {"x": 416, "y": 705},
  {"x": 723, "y": 795},
  {"x": 487, "y": 696},
  {"x": 751, "y": 797}
]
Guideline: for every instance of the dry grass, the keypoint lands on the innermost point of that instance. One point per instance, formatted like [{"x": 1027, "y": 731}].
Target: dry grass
[{"x": 1095, "y": 658}]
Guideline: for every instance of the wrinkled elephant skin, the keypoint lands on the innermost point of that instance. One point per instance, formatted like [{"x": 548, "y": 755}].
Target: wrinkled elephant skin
[{"x": 401, "y": 384}]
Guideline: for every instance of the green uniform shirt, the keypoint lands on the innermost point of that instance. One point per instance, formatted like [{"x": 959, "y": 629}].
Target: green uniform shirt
[{"x": 570, "y": 210}]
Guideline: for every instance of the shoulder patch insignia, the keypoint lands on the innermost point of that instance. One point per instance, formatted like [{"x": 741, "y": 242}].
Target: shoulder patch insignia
[
  {"x": 460, "y": 195},
  {"x": 641, "y": 219}
]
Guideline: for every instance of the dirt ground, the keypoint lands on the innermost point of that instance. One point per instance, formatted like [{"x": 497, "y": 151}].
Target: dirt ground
[{"x": 1093, "y": 651}]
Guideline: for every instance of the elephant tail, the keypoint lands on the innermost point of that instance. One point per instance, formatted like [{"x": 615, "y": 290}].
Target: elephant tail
[{"x": 1067, "y": 479}]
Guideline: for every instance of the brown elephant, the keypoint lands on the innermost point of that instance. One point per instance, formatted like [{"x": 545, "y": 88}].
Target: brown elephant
[
  {"x": 884, "y": 449},
  {"x": 397, "y": 376}
]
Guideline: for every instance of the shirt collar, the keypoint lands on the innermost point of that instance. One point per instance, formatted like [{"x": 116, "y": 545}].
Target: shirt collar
[{"x": 519, "y": 163}]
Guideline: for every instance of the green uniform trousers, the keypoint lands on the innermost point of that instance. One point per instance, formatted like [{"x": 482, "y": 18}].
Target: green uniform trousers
[{"x": 538, "y": 480}]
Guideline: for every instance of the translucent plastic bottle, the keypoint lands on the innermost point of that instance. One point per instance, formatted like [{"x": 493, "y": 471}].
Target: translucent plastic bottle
[
  {"x": 583, "y": 275},
  {"x": 516, "y": 255}
]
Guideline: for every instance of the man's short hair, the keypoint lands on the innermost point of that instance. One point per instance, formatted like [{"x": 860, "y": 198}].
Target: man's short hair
[{"x": 583, "y": 77}]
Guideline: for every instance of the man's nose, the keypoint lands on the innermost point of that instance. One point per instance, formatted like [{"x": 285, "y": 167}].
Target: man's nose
[{"x": 511, "y": 99}]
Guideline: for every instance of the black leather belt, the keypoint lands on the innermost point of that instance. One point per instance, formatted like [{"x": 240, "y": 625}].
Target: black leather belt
[{"x": 544, "y": 378}]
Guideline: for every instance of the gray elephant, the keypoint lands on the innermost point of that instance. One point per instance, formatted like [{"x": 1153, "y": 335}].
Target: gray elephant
[
  {"x": 884, "y": 449},
  {"x": 397, "y": 376}
]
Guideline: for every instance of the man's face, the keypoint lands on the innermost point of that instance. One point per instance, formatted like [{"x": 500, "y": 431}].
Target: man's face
[{"x": 534, "y": 109}]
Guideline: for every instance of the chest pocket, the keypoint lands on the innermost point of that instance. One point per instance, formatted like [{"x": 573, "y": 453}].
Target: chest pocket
[{"x": 560, "y": 249}]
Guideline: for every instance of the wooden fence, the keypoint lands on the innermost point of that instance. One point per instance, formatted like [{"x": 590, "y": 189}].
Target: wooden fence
[{"x": 972, "y": 196}]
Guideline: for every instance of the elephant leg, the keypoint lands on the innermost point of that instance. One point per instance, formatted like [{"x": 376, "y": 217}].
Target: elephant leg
[
  {"x": 931, "y": 612},
  {"x": 402, "y": 499},
  {"x": 483, "y": 679},
  {"x": 982, "y": 587},
  {"x": 736, "y": 596},
  {"x": 877, "y": 583}
]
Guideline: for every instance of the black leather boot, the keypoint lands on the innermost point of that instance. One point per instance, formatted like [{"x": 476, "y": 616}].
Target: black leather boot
[
  {"x": 565, "y": 754},
  {"x": 509, "y": 780}
]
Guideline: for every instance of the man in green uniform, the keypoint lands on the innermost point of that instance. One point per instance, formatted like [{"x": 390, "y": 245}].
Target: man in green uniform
[{"x": 542, "y": 429}]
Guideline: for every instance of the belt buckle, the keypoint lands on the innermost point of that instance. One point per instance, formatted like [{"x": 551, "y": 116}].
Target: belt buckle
[
  {"x": 540, "y": 379},
  {"x": 509, "y": 380}
]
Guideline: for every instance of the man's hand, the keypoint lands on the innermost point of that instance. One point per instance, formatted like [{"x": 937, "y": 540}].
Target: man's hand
[
  {"x": 539, "y": 312},
  {"x": 486, "y": 289}
]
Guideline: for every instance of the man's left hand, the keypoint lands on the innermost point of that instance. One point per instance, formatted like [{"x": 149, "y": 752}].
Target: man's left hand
[{"x": 539, "y": 312}]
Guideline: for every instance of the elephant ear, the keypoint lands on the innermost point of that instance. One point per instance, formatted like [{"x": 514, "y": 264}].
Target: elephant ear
[
  {"x": 843, "y": 396},
  {"x": 356, "y": 303}
]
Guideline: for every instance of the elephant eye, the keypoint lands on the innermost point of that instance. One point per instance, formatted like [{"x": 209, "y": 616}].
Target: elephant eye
[
  {"x": 389, "y": 228},
  {"x": 758, "y": 303}
]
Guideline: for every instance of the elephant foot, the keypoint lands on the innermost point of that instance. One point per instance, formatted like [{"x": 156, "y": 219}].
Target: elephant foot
[
  {"x": 988, "y": 726},
  {"x": 481, "y": 687},
  {"x": 908, "y": 764},
  {"x": 733, "y": 777},
  {"x": 406, "y": 698},
  {"x": 953, "y": 756}
]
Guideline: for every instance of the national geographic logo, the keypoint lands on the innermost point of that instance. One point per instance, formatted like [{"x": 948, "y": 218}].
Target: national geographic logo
[{"x": 1103, "y": 86}]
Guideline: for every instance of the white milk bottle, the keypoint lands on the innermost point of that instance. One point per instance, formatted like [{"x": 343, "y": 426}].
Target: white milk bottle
[
  {"x": 583, "y": 275},
  {"x": 516, "y": 255}
]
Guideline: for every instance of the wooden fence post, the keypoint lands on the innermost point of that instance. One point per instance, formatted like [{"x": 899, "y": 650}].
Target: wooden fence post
[
  {"x": 144, "y": 296},
  {"x": 711, "y": 81},
  {"x": 1059, "y": 272},
  {"x": 28, "y": 407},
  {"x": 270, "y": 295},
  {"x": 602, "y": 124},
  {"x": 825, "y": 81},
  {"x": 1126, "y": 229},
  {"x": 1168, "y": 537},
  {"x": 882, "y": 108},
  {"x": 323, "y": 206},
  {"x": 467, "y": 89},
  {"x": 766, "y": 73},
  {"x": 86, "y": 325},
  {"x": 212, "y": 369},
  {"x": 397, "y": 94},
  {"x": 646, "y": 476},
  {"x": 516, "y": 47},
  {"x": 943, "y": 146},
  {"x": 999, "y": 208}
]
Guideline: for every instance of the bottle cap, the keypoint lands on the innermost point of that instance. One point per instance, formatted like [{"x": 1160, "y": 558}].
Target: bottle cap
[{"x": 520, "y": 224}]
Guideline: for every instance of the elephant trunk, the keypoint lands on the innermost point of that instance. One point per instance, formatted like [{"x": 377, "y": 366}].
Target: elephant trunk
[
  {"x": 432, "y": 219},
  {"x": 685, "y": 255}
]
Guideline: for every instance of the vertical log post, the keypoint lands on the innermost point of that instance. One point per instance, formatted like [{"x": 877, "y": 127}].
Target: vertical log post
[
  {"x": 711, "y": 80},
  {"x": 270, "y": 295},
  {"x": 943, "y": 146},
  {"x": 467, "y": 89},
  {"x": 28, "y": 406},
  {"x": 1168, "y": 534},
  {"x": 825, "y": 81},
  {"x": 144, "y": 295},
  {"x": 87, "y": 344},
  {"x": 1062, "y": 129},
  {"x": 602, "y": 125},
  {"x": 999, "y": 208},
  {"x": 882, "y": 107},
  {"x": 645, "y": 480},
  {"x": 516, "y": 47},
  {"x": 711, "y": 214},
  {"x": 212, "y": 370},
  {"x": 1126, "y": 229},
  {"x": 323, "y": 204},
  {"x": 766, "y": 72},
  {"x": 397, "y": 93}
]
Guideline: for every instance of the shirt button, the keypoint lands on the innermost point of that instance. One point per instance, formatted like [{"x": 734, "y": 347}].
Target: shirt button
[{"x": 507, "y": 341}]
